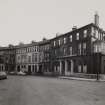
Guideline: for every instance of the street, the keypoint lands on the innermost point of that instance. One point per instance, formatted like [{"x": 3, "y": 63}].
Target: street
[{"x": 31, "y": 90}]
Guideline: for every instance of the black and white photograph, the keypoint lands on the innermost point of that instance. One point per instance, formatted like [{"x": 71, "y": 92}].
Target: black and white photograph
[{"x": 52, "y": 52}]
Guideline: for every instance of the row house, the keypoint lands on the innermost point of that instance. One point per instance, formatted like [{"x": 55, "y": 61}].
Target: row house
[
  {"x": 44, "y": 56},
  {"x": 27, "y": 57},
  {"x": 7, "y": 58},
  {"x": 33, "y": 57},
  {"x": 73, "y": 52},
  {"x": 2, "y": 58}
]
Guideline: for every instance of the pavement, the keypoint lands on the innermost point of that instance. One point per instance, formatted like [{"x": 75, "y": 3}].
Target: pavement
[
  {"x": 32, "y": 90},
  {"x": 81, "y": 79}
]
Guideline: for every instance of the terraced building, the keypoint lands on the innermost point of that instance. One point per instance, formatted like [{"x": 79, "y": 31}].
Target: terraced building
[{"x": 80, "y": 51}]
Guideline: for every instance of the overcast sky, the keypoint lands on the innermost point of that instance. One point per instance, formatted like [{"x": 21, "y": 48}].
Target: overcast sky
[{"x": 27, "y": 20}]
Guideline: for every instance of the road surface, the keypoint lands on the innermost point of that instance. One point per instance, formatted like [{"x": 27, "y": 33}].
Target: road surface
[{"x": 31, "y": 90}]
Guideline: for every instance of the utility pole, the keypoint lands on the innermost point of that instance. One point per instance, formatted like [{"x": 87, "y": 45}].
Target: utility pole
[{"x": 98, "y": 64}]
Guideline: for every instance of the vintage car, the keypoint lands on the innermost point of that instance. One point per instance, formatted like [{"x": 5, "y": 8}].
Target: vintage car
[
  {"x": 3, "y": 75},
  {"x": 12, "y": 73},
  {"x": 21, "y": 73}
]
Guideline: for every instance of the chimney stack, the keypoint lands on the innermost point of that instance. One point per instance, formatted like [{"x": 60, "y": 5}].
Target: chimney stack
[
  {"x": 96, "y": 19},
  {"x": 74, "y": 28}
]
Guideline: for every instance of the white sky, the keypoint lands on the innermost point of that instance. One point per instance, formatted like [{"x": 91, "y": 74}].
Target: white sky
[{"x": 27, "y": 20}]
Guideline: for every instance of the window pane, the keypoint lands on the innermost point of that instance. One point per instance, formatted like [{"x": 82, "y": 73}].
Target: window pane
[{"x": 77, "y": 36}]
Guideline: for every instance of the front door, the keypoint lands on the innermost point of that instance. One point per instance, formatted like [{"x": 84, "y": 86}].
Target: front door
[
  {"x": 18, "y": 68},
  {"x": 29, "y": 69}
]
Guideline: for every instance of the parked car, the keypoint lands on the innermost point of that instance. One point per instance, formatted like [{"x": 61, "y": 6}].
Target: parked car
[
  {"x": 21, "y": 73},
  {"x": 13, "y": 73},
  {"x": 3, "y": 75}
]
